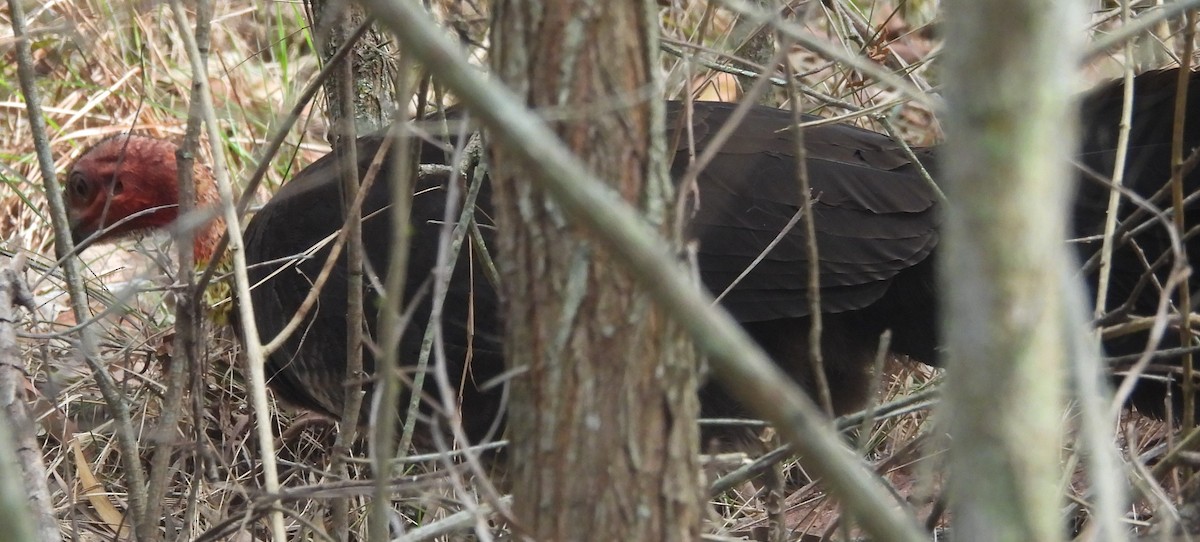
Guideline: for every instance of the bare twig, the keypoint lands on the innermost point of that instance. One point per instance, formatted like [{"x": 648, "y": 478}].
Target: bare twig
[
  {"x": 454, "y": 523},
  {"x": 807, "y": 39},
  {"x": 892, "y": 132},
  {"x": 384, "y": 402},
  {"x": 1147, "y": 21},
  {"x": 275, "y": 142},
  {"x": 815, "y": 357},
  {"x": 467, "y": 217},
  {"x": 254, "y": 352},
  {"x": 297, "y": 318},
  {"x": 1095, "y": 421},
  {"x": 1118, "y": 177},
  {"x": 1177, "y": 196},
  {"x": 718, "y": 140},
  {"x": 113, "y": 396},
  {"x": 918, "y": 401},
  {"x": 343, "y": 115},
  {"x": 450, "y": 241},
  {"x": 188, "y": 323}
]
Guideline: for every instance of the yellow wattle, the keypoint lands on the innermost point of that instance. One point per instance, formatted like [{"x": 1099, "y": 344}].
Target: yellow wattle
[{"x": 218, "y": 296}]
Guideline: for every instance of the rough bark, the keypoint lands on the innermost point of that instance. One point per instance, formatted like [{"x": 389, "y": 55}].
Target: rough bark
[
  {"x": 602, "y": 418},
  {"x": 361, "y": 90},
  {"x": 755, "y": 42},
  {"x": 26, "y": 509},
  {"x": 374, "y": 67}
]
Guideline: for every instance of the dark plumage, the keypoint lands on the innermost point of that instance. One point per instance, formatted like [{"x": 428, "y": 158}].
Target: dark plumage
[
  {"x": 1133, "y": 291},
  {"x": 877, "y": 231},
  {"x": 876, "y": 221},
  {"x": 309, "y": 369},
  {"x": 877, "y": 224}
]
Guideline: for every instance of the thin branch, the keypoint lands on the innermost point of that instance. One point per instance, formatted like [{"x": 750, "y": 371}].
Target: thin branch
[
  {"x": 892, "y": 132},
  {"x": 188, "y": 322},
  {"x": 459, "y": 521},
  {"x": 1177, "y": 197},
  {"x": 815, "y": 358},
  {"x": 922, "y": 400},
  {"x": 392, "y": 324},
  {"x": 331, "y": 261},
  {"x": 466, "y": 218},
  {"x": 450, "y": 242},
  {"x": 253, "y": 349},
  {"x": 343, "y": 114},
  {"x": 808, "y": 40},
  {"x": 114, "y": 398},
  {"x": 1118, "y": 176},
  {"x": 1096, "y": 429},
  {"x": 1145, "y": 22}
]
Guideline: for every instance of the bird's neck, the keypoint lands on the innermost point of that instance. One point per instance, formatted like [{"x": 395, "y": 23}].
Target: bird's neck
[{"x": 207, "y": 236}]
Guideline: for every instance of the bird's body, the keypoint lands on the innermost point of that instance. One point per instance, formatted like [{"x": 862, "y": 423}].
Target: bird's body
[
  {"x": 1142, "y": 256},
  {"x": 876, "y": 222},
  {"x": 877, "y": 227},
  {"x": 309, "y": 369},
  {"x": 864, "y": 191}
]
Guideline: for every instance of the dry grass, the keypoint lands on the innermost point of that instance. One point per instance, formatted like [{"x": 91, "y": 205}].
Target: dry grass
[{"x": 109, "y": 67}]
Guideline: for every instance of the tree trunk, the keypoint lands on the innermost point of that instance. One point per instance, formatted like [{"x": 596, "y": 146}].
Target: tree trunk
[
  {"x": 373, "y": 86},
  {"x": 361, "y": 97},
  {"x": 1010, "y": 74},
  {"x": 26, "y": 509},
  {"x": 603, "y": 414}
]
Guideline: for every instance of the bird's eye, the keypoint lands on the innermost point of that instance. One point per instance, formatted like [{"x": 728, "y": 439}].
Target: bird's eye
[{"x": 79, "y": 185}]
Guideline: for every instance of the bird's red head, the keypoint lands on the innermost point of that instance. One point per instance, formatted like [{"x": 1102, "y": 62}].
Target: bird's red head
[
  {"x": 127, "y": 184},
  {"x": 116, "y": 186}
]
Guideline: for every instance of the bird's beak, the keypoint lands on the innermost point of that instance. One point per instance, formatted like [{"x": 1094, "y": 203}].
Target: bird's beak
[{"x": 79, "y": 231}]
